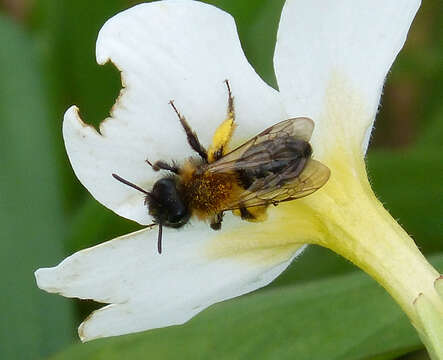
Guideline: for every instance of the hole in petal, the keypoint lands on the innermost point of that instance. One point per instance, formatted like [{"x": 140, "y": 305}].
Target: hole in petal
[
  {"x": 101, "y": 94},
  {"x": 93, "y": 88}
]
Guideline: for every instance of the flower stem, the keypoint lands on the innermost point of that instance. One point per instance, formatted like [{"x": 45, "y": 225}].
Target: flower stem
[
  {"x": 357, "y": 226},
  {"x": 373, "y": 241}
]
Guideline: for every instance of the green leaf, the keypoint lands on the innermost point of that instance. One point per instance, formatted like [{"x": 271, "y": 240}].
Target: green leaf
[
  {"x": 415, "y": 355},
  {"x": 345, "y": 318},
  {"x": 31, "y": 218},
  {"x": 433, "y": 133}
]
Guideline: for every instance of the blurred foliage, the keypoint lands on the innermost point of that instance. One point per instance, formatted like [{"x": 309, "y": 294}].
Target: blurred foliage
[
  {"x": 311, "y": 309},
  {"x": 31, "y": 219}
]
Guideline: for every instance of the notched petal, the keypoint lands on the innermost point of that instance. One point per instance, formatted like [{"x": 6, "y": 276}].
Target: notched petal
[
  {"x": 73, "y": 120},
  {"x": 161, "y": 50}
]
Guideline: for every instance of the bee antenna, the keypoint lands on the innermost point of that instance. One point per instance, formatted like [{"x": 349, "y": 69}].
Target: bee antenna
[
  {"x": 160, "y": 235},
  {"x": 126, "y": 182},
  {"x": 159, "y": 241}
]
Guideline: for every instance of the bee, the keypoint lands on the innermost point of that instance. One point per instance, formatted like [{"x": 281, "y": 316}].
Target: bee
[{"x": 272, "y": 167}]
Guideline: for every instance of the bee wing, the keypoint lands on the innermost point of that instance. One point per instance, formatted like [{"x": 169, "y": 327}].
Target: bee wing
[
  {"x": 285, "y": 186},
  {"x": 299, "y": 128}
]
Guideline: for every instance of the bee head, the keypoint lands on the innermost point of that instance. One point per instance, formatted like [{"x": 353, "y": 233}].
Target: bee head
[{"x": 166, "y": 204}]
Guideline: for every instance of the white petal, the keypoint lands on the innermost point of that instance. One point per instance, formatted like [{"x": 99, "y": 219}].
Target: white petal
[
  {"x": 168, "y": 50},
  {"x": 339, "y": 52},
  {"x": 148, "y": 290}
]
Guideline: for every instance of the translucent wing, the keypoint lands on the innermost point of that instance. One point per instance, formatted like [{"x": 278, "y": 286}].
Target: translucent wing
[
  {"x": 298, "y": 128},
  {"x": 285, "y": 186},
  {"x": 277, "y": 165}
]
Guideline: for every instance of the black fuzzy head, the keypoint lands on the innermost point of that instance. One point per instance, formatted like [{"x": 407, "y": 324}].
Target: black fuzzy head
[{"x": 166, "y": 205}]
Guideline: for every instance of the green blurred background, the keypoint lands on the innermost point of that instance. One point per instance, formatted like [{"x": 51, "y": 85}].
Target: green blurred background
[{"x": 321, "y": 308}]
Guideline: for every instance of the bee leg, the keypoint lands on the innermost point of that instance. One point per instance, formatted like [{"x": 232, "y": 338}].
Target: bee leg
[
  {"x": 224, "y": 132},
  {"x": 161, "y": 165},
  {"x": 191, "y": 135},
  {"x": 245, "y": 214},
  {"x": 216, "y": 221},
  {"x": 231, "y": 113},
  {"x": 253, "y": 214}
]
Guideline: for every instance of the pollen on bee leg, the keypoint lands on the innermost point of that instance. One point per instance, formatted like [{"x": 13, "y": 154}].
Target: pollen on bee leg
[
  {"x": 224, "y": 132},
  {"x": 221, "y": 139}
]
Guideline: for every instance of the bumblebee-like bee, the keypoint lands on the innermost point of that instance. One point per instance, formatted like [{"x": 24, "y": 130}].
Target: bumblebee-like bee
[{"x": 270, "y": 168}]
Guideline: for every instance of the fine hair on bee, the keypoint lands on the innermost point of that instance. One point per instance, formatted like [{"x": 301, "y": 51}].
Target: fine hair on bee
[{"x": 272, "y": 167}]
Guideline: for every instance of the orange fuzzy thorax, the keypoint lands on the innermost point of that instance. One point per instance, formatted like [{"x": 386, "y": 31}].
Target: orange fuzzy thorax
[{"x": 207, "y": 193}]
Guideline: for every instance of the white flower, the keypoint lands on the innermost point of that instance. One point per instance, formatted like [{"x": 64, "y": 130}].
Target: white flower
[{"x": 331, "y": 60}]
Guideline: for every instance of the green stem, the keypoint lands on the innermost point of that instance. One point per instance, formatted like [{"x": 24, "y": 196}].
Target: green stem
[{"x": 357, "y": 226}]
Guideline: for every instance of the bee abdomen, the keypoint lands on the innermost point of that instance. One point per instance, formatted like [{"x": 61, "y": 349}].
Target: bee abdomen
[{"x": 272, "y": 157}]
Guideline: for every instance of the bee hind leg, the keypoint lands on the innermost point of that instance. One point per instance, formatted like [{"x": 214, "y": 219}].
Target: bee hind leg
[
  {"x": 252, "y": 214},
  {"x": 224, "y": 132},
  {"x": 231, "y": 113},
  {"x": 216, "y": 221}
]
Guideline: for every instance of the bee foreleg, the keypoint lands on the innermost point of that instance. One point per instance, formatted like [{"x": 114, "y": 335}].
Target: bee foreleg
[
  {"x": 191, "y": 135},
  {"x": 216, "y": 221},
  {"x": 161, "y": 165}
]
